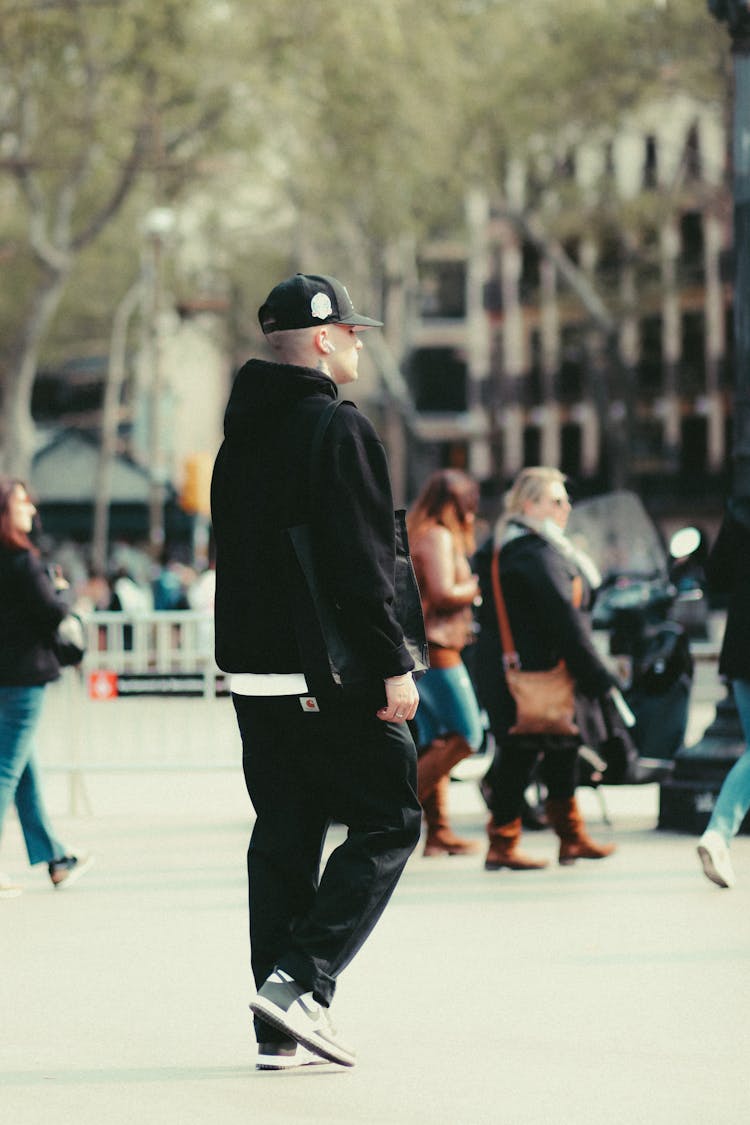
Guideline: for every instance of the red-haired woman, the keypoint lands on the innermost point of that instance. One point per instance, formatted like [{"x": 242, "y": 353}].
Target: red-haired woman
[
  {"x": 449, "y": 728},
  {"x": 31, "y": 609}
]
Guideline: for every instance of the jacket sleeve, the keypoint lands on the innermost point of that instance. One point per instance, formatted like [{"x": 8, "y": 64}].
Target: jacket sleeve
[
  {"x": 355, "y": 538},
  {"x": 43, "y": 607},
  {"x": 435, "y": 564}
]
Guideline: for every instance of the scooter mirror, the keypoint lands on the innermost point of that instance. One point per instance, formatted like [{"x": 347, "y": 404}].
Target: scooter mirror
[{"x": 684, "y": 542}]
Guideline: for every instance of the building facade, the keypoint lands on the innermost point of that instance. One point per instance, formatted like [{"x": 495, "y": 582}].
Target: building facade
[{"x": 584, "y": 319}]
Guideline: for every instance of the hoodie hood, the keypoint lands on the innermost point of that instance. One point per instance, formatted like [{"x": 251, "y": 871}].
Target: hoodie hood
[{"x": 263, "y": 393}]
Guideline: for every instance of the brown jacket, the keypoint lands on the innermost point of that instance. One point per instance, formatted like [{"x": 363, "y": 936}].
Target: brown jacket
[{"x": 447, "y": 587}]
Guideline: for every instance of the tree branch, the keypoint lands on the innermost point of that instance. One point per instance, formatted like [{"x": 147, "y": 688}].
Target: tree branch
[{"x": 532, "y": 228}]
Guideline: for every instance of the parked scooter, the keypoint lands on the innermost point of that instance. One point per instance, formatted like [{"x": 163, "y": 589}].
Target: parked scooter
[{"x": 649, "y": 648}]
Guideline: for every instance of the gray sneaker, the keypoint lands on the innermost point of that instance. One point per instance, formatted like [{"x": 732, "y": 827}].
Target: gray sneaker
[{"x": 288, "y": 1006}]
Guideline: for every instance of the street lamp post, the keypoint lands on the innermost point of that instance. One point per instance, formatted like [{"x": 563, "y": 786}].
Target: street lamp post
[
  {"x": 158, "y": 225},
  {"x": 686, "y": 799}
]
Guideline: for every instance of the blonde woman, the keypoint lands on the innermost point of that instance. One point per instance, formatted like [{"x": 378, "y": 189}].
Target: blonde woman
[
  {"x": 539, "y": 569},
  {"x": 441, "y": 538}
]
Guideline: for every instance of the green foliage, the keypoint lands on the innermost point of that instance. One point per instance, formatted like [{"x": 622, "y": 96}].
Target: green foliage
[
  {"x": 359, "y": 122},
  {"x": 101, "y": 102}
]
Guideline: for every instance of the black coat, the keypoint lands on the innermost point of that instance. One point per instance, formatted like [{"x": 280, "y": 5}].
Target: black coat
[
  {"x": 260, "y": 487},
  {"x": 537, "y": 583},
  {"x": 728, "y": 572},
  {"x": 30, "y": 611}
]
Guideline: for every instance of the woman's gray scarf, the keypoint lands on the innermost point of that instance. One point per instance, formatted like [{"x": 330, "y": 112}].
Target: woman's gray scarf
[{"x": 513, "y": 527}]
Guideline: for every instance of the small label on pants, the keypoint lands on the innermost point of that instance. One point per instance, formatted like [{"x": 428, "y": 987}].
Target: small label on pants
[{"x": 308, "y": 703}]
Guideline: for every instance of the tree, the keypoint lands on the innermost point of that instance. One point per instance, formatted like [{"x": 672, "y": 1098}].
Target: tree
[
  {"x": 367, "y": 123},
  {"x": 96, "y": 97}
]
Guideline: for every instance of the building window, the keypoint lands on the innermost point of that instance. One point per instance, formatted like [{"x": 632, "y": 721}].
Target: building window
[
  {"x": 454, "y": 455},
  {"x": 691, "y": 258},
  {"x": 570, "y": 376},
  {"x": 532, "y": 445},
  {"x": 692, "y": 155},
  {"x": 648, "y": 445},
  {"x": 530, "y": 274},
  {"x": 442, "y": 289},
  {"x": 438, "y": 380},
  {"x": 693, "y": 359},
  {"x": 694, "y": 447},
  {"x": 571, "y": 440},
  {"x": 650, "y": 366},
  {"x": 650, "y": 165}
]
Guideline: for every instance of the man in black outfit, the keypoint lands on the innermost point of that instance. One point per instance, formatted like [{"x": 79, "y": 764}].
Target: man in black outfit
[{"x": 311, "y": 759}]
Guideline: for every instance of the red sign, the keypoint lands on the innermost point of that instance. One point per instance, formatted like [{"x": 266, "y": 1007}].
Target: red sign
[{"x": 103, "y": 685}]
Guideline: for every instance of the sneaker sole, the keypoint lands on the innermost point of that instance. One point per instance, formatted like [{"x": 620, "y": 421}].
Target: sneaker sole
[
  {"x": 709, "y": 870},
  {"x": 270, "y": 1012},
  {"x": 273, "y": 1062}
]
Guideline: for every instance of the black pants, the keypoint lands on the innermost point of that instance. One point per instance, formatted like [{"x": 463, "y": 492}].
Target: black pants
[
  {"x": 305, "y": 770},
  {"x": 513, "y": 766}
]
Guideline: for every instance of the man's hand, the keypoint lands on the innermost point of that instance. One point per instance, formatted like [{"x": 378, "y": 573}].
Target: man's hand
[{"x": 402, "y": 699}]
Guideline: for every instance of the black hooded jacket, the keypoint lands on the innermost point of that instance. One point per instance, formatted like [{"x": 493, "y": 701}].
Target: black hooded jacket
[
  {"x": 30, "y": 611},
  {"x": 260, "y": 487},
  {"x": 728, "y": 572}
]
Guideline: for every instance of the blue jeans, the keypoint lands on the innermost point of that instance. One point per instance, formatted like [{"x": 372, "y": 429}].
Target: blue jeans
[
  {"x": 734, "y": 799},
  {"x": 448, "y": 705},
  {"x": 19, "y": 775}
]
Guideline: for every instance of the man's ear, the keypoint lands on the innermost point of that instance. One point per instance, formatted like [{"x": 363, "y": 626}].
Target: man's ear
[{"x": 323, "y": 343}]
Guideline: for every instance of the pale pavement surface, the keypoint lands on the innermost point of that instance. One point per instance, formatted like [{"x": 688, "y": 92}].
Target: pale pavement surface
[{"x": 612, "y": 992}]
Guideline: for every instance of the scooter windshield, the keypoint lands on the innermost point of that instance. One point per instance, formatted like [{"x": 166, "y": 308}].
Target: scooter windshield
[{"x": 619, "y": 535}]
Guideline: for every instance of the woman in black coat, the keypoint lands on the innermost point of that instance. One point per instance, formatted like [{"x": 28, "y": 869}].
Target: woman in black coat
[
  {"x": 31, "y": 609},
  {"x": 728, "y": 572},
  {"x": 542, "y": 578}
]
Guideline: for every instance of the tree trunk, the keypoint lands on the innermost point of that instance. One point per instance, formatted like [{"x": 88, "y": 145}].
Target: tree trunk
[{"x": 17, "y": 428}]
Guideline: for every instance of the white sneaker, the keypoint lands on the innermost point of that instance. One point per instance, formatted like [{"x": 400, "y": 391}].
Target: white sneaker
[
  {"x": 714, "y": 855},
  {"x": 8, "y": 889},
  {"x": 286, "y": 1004},
  {"x": 68, "y": 869}
]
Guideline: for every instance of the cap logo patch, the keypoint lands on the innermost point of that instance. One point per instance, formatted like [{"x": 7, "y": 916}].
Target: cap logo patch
[{"x": 321, "y": 306}]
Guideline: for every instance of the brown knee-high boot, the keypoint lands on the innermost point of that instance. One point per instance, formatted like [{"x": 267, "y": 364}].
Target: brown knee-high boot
[
  {"x": 503, "y": 850},
  {"x": 441, "y": 839},
  {"x": 437, "y": 761},
  {"x": 565, "y": 817}
]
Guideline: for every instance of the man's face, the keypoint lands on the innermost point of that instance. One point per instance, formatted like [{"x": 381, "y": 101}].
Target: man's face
[{"x": 343, "y": 361}]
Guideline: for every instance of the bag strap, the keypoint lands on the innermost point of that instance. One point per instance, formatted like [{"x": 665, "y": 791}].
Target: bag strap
[
  {"x": 510, "y": 652},
  {"x": 326, "y": 417}
]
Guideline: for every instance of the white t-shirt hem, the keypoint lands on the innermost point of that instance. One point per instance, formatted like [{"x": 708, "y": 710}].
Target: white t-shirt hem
[{"x": 268, "y": 683}]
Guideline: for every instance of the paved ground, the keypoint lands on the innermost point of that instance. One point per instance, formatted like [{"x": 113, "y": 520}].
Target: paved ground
[{"x": 613, "y": 992}]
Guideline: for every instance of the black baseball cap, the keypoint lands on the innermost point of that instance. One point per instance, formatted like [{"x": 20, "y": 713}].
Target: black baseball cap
[{"x": 308, "y": 300}]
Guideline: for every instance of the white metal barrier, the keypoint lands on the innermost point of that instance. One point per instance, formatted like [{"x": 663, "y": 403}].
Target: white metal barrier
[
  {"x": 158, "y": 643},
  {"x": 148, "y": 696}
]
